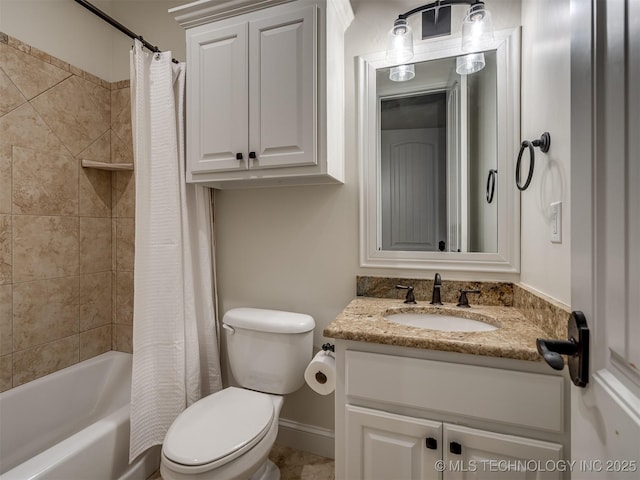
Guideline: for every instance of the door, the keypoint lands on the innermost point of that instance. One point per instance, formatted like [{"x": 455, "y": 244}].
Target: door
[
  {"x": 605, "y": 232},
  {"x": 283, "y": 86},
  {"x": 217, "y": 85},
  {"x": 383, "y": 446},
  {"x": 412, "y": 187},
  {"x": 471, "y": 454}
]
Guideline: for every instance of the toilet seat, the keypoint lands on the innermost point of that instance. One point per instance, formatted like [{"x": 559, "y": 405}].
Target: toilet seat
[{"x": 219, "y": 428}]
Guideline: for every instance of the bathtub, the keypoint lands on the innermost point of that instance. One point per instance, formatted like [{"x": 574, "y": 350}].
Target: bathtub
[{"x": 72, "y": 425}]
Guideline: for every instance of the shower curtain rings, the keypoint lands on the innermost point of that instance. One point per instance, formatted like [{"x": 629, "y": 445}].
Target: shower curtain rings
[{"x": 543, "y": 142}]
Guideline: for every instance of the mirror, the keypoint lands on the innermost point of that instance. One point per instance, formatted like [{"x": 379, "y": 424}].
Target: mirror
[{"x": 437, "y": 160}]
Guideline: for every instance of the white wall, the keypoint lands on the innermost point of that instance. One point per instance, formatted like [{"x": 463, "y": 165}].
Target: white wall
[
  {"x": 64, "y": 29},
  {"x": 546, "y": 106},
  {"x": 68, "y": 31}
]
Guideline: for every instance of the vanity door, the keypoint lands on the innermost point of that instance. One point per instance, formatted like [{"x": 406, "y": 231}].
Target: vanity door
[{"x": 383, "y": 446}]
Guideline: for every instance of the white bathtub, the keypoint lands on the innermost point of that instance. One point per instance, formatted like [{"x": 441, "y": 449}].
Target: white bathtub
[{"x": 72, "y": 425}]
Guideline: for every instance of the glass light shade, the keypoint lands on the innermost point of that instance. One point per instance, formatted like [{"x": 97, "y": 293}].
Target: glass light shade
[
  {"x": 400, "y": 42},
  {"x": 470, "y": 63},
  {"x": 402, "y": 73},
  {"x": 477, "y": 29}
]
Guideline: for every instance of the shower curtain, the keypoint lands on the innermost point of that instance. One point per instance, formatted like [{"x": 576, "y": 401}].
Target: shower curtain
[{"x": 175, "y": 346}]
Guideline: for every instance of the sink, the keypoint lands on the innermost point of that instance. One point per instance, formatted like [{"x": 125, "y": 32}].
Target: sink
[{"x": 444, "y": 323}]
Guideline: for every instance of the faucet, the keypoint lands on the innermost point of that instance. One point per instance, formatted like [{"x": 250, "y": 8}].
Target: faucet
[
  {"x": 463, "y": 301},
  {"x": 410, "y": 298},
  {"x": 435, "y": 295}
]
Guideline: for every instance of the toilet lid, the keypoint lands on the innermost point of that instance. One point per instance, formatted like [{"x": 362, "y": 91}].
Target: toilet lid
[{"x": 218, "y": 425}]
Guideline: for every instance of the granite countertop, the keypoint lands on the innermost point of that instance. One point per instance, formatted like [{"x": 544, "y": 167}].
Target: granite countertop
[{"x": 363, "y": 320}]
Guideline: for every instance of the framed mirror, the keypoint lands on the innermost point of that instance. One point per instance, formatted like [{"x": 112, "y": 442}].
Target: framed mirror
[{"x": 437, "y": 160}]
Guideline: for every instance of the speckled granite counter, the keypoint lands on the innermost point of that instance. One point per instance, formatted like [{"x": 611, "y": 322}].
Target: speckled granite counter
[{"x": 363, "y": 320}]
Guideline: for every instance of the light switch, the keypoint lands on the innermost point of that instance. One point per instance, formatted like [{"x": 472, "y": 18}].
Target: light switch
[{"x": 556, "y": 222}]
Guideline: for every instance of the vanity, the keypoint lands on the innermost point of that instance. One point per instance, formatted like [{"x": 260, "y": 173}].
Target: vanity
[{"x": 423, "y": 403}]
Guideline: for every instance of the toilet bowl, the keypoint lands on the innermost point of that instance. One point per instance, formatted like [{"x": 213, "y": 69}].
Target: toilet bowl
[{"x": 229, "y": 434}]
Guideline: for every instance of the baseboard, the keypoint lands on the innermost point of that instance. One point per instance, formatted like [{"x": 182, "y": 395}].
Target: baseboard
[{"x": 309, "y": 438}]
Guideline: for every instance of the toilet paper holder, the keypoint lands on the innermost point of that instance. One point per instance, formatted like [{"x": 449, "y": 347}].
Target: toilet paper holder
[{"x": 328, "y": 347}]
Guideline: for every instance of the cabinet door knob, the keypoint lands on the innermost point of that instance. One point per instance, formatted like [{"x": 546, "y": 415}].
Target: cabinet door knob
[
  {"x": 455, "y": 448},
  {"x": 252, "y": 154},
  {"x": 432, "y": 443},
  {"x": 239, "y": 156}
]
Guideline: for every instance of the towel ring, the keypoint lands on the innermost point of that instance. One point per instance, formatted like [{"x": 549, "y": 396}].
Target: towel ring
[
  {"x": 543, "y": 142},
  {"x": 491, "y": 184}
]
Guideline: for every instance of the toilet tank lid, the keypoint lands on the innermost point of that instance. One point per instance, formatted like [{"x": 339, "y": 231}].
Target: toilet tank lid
[{"x": 274, "y": 321}]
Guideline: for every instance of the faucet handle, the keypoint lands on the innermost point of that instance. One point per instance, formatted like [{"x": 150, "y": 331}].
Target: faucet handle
[
  {"x": 410, "y": 298},
  {"x": 463, "y": 301}
]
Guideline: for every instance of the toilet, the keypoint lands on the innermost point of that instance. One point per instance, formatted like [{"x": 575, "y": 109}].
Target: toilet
[{"x": 228, "y": 435}]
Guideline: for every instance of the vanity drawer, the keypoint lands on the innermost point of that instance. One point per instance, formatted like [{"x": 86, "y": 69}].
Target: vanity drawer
[{"x": 516, "y": 398}]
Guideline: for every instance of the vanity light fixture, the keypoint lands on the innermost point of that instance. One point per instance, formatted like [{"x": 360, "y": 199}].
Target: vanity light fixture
[{"x": 477, "y": 30}]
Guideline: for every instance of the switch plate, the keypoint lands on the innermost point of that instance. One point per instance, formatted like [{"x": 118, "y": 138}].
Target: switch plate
[{"x": 556, "y": 222}]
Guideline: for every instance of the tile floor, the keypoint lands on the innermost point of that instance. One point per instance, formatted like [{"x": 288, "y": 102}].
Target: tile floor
[{"x": 295, "y": 465}]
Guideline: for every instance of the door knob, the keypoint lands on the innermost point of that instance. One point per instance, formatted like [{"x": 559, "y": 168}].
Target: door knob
[{"x": 576, "y": 349}]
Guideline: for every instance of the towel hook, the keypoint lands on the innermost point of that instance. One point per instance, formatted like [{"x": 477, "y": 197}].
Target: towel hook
[{"x": 543, "y": 142}]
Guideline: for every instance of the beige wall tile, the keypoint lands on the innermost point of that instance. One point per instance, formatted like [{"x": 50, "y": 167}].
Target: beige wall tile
[
  {"x": 95, "y": 244},
  {"x": 44, "y": 184},
  {"x": 121, "y": 150},
  {"x": 123, "y": 338},
  {"x": 6, "y": 372},
  {"x": 125, "y": 233},
  {"x": 101, "y": 96},
  {"x": 31, "y": 75},
  {"x": 45, "y": 247},
  {"x": 5, "y": 177},
  {"x": 44, "y": 359},
  {"x": 125, "y": 194},
  {"x": 6, "y": 320},
  {"x": 94, "y": 199},
  {"x": 99, "y": 150},
  {"x": 45, "y": 310},
  {"x": 10, "y": 96},
  {"x": 124, "y": 298},
  {"x": 72, "y": 115},
  {"x": 6, "y": 257},
  {"x": 95, "y": 300},
  {"x": 25, "y": 128},
  {"x": 121, "y": 113},
  {"x": 94, "y": 342}
]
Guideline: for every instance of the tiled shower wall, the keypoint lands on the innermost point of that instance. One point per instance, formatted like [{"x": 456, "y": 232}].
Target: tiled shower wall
[{"x": 66, "y": 232}]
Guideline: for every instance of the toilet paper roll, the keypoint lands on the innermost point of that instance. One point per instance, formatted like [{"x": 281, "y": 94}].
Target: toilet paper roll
[{"x": 320, "y": 374}]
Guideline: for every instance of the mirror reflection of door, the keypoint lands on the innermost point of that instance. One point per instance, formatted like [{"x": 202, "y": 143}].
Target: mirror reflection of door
[{"x": 413, "y": 172}]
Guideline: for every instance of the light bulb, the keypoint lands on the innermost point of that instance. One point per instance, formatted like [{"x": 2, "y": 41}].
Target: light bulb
[
  {"x": 400, "y": 42},
  {"x": 470, "y": 63},
  {"x": 402, "y": 73},
  {"x": 477, "y": 29}
]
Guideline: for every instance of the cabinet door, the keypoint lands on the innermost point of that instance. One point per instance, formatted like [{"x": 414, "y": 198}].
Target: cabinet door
[
  {"x": 493, "y": 456},
  {"x": 283, "y": 89},
  {"x": 383, "y": 446},
  {"x": 217, "y": 104}
]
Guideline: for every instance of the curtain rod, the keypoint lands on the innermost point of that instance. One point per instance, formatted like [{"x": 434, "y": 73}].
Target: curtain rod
[{"x": 114, "y": 23}]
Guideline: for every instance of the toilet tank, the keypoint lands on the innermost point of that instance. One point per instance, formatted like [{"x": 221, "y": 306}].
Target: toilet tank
[{"x": 268, "y": 349}]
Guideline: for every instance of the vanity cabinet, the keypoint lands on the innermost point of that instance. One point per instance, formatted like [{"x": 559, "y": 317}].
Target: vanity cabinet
[
  {"x": 417, "y": 418},
  {"x": 265, "y": 92}
]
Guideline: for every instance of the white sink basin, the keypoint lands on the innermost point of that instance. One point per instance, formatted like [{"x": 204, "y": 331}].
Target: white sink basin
[{"x": 444, "y": 323}]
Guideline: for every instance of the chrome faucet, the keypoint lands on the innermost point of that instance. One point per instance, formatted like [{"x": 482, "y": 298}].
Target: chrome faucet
[
  {"x": 437, "y": 286},
  {"x": 410, "y": 298}
]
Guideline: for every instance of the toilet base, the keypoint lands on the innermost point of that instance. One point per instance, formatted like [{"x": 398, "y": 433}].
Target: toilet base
[{"x": 268, "y": 471}]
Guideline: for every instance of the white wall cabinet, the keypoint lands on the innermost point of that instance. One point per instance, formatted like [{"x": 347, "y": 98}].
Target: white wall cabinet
[
  {"x": 411, "y": 418},
  {"x": 265, "y": 92}
]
